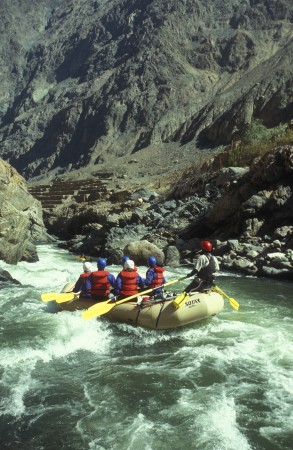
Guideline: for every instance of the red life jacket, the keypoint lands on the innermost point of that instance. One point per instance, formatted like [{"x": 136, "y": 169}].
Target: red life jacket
[
  {"x": 129, "y": 285},
  {"x": 83, "y": 277},
  {"x": 100, "y": 286},
  {"x": 159, "y": 280}
]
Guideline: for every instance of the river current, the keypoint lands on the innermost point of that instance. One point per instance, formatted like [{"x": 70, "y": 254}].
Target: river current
[{"x": 220, "y": 384}]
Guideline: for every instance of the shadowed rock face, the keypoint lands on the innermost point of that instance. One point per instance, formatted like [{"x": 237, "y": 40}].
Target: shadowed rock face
[
  {"x": 260, "y": 203},
  {"x": 86, "y": 80},
  {"x": 21, "y": 223}
]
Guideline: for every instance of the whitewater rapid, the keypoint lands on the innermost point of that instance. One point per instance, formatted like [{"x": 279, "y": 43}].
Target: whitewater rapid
[{"x": 224, "y": 383}]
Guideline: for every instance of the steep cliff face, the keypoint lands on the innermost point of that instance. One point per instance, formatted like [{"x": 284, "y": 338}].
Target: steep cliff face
[
  {"x": 87, "y": 80},
  {"x": 256, "y": 205},
  {"x": 21, "y": 223}
]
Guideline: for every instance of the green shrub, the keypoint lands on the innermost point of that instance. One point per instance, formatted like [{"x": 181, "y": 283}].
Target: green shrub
[
  {"x": 256, "y": 133},
  {"x": 258, "y": 140}
]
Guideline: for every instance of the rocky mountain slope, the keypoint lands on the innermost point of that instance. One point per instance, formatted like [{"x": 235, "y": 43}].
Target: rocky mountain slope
[{"x": 87, "y": 82}]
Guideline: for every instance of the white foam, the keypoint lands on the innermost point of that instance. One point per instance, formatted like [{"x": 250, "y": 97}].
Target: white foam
[
  {"x": 139, "y": 432},
  {"x": 219, "y": 424},
  {"x": 71, "y": 334},
  {"x": 54, "y": 269},
  {"x": 18, "y": 384},
  {"x": 209, "y": 417},
  {"x": 137, "y": 435}
]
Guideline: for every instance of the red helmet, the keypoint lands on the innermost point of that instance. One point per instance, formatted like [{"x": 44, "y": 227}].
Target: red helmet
[{"x": 206, "y": 246}]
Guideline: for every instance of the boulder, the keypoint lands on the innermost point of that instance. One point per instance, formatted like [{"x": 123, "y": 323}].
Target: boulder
[
  {"x": 172, "y": 256},
  {"x": 6, "y": 277},
  {"x": 277, "y": 273},
  {"x": 144, "y": 194},
  {"x": 21, "y": 221},
  {"x": 229, "y": 174},
  {"x": 284, "y": 232},
  {"x": 139, "y": 251}
]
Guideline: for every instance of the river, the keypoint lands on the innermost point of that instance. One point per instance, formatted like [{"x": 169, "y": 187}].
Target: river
[{"x": 220, "y": 384}]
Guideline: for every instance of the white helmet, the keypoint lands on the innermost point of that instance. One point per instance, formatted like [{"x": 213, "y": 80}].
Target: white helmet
[
  {"x": 87, "y": 267},
  {"x": 129, "y": 264}
]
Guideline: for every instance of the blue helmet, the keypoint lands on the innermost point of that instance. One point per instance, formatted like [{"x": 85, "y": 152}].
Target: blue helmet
[
  {"x": 152, "y": 261},
  {"x": 124, "y": 258},
  {"x": 101, "y": 263}
]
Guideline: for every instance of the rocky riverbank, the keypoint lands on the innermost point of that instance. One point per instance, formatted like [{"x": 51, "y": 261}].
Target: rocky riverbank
[
  {"x": 246, "y": 212},
  {"x": 21, "y": 221}
]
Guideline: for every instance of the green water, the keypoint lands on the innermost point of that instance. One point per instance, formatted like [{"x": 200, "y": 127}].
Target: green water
[{"x": 221, "y": 384}]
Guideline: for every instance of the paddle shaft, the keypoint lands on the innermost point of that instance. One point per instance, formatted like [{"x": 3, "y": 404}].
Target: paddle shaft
[
  {"x": 102, "y": 308},
  {"x": 147, "y": 291}
]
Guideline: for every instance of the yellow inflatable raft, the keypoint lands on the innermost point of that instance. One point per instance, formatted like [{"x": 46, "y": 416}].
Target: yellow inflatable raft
[{"x": 160, "y": 315}]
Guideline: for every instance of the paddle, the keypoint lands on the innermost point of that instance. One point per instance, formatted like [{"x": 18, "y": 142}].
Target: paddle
[
  {"x": 232, "y": 301},
  {"x": 102, "y": 308},
  {"x": 59, "y": 297},
  {"x": 180, "y": 300}
]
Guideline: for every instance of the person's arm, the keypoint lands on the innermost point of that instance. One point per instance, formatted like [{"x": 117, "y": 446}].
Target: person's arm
[
  {"x": 216, "y": 263},
  {"x": 88, "y": 286},
  {"x": 118, "y": 284},
  {"x": 77, "y": 286},
  {"x": 192, "y": 273},
  {"x": 111, "y": 279},
  {"x": 149, "y": 277},
  {"x": 200, "y": 262},
  {"x": 139, "y": 282}
]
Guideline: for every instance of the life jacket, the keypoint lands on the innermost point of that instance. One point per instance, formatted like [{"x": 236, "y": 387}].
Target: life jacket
[
  {"x": 100, "y": 286},
  {"x": 207, "y": 273},
  {"x": 129, "y": 285},
  {"x": 83, "y": 277},
  {"x": 159, "y": 279}
]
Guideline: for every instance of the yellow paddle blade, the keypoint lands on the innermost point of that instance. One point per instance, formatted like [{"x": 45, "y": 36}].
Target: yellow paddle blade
[
  {"x": 66, "y": 297},
  {"x": 233, "y": 303},
  {"x": 97, "y": 310},
  {"x": 231, "y": 300},
  {"x": 180, "y": 300},
  {"x": 58, "y": 297},
  {"x": 48, "y": 296}
]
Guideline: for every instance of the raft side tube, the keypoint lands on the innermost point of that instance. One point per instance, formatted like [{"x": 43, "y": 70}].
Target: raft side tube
[{"x": 161, "y": 315}]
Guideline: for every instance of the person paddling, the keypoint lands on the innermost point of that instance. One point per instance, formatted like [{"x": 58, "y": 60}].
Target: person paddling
[
  {"x": 80, "y": 285},
  {"x": 205, "y": 267},
  {"x": 155, "y": 277},
  {"x": 99, "y": 283},
  {"x": 128, "y": 281}
]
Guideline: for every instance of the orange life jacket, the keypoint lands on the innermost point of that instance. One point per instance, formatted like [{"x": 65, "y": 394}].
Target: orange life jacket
[
  {"x": 129, "y": 285},
  {"x": 85, "y": 275},
  {"x": 159, "y": 280},
  {"x": 82, "y": 278},
  {"x": 100, "y": 286}
]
